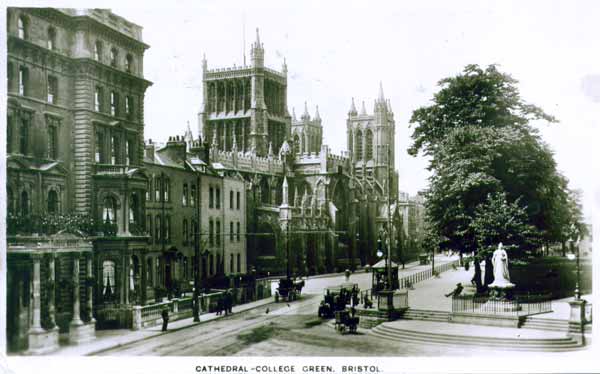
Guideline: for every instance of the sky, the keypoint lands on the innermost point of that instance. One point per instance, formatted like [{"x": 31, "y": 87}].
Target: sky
[{"x": 339, "y": 50}]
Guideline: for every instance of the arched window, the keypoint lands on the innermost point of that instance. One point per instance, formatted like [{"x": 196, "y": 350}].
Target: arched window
[
  {"x": 239, "y": 263},
  {"x": 231, "y": 199},
  {"x": 167, "y": 224},
  {"x": 24, "y": 203},
  {"x": 109, "y": 210},
  {"x": 218, "y": 198},
  {"x": 231, "y": 232},
  {"x": 114, "y": 55},
  {"x": 369, "y": 145},
  {"x": 296, "y": 144},
  {"x": 185, "y": 231},
  {"x": 108, "y": 280},
  {"x": 231, "y": 268},
  {"x": 211, "y": 197},
  {"x": 51, "y": 42},
  {"x": 211, "y": 234},
  {"x": 184, "y": 196},
  {"x": 238, "y": 232},
  {"x": 98, "y": 51},
  {"x": 22, "y": 25},
  {"x": 134, "y": 208},
  {"x": 52, "y": 202},
  {"x": 129, "y": 63},
  {"x": 359, "y": 146}
]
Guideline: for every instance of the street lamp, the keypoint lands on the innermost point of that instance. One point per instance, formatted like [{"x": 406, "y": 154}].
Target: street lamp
[{"x": 575, "y": 238}]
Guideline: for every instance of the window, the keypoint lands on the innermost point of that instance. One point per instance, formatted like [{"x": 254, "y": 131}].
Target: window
[
  {"x": 22, "y": 27},
  {"x": 167, "y": 188},
  {"x": 230, "y": 199},
  {"x": 24, "y": 203},
  {"x": 108, "y": 280},
  {"x": 185, "y": 231},
  {"x": 98, "y": 93},
  {"x": 115, "y": 157},
  {"x": 193, "y": 195},
  {"x": 109, "y": 210},
  {"x": 218, "y": 264},
  {"x": 231, "y": 263},
  {"x": 239, "y": 263},
  {"x": 238, "y": 232},
  {"x": 52, "y": 89},
  {"x": 113, "y": 57},
  {"x": 218, "y": 198},
  {"x": 51, "y": 43},
  {"x": 52, "y": 202},
  {"x": 296, "y": 144},
  {"x": 211, "y": 235},
  {"x": 24, "y": 136},
  {"x": 149, "y": 190},
  {"x": 9, "y": 133},
  {"x": 211, "y": 198},
  {"x": 98, "y": 51},
  {"x": 100, "y": 153},
  {"x": 231, "y": 231},
  {"x": 211, "y": 264},
  {"x": 52, "y": 142},
  {"x": 157, "y": 189},
  {"x": 134, "y": 208},
  {"x": 168, "y": 228},
  {"x": 129, "y": 63},
  {"x": 157, "y": 228},
  {"x": 149, "y": 226},
  {"x": 23, "y": 81},
  {"x": 114, "y": 103},
  {"x": 218, "y": 233},
  {"x": 129, "y": 151},
  {"x": 149, "y": 271},
  {"x": 129, "y": 106},
  {"x": 184, "y": 196},
  {"x": 369, "y": 147},
  {"x": 238, "y": 200},
  {"x": 359, "y": 145}
]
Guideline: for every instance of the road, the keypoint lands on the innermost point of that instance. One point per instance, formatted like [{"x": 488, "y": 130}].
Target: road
[{"x": 280, "y": 330}]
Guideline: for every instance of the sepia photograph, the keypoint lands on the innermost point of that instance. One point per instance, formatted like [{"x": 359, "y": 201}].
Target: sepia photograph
[{"x": 348, "y": 180}]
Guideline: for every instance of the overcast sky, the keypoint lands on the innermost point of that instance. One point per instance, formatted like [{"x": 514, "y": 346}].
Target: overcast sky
[{"x": 339, "y": 50}]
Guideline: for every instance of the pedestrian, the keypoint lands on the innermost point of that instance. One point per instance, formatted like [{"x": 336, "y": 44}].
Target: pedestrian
[
  {"x": 456, "y": 291},
  {"x": 219, "y": 306},
  {"x": 229, "y": 302},
  {"x": 165, "y": 317}
]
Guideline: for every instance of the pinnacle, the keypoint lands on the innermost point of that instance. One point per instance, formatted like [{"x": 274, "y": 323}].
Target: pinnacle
[{"x": 381, "y": 97}]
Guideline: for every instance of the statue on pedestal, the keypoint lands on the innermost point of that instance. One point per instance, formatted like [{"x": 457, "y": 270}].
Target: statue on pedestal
[{"x": 501, "y": 275}]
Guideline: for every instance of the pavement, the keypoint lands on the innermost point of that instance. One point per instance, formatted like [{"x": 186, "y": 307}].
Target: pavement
[{"x": 110, "y": 339}]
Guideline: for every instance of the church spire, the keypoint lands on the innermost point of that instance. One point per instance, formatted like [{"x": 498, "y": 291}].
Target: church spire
[
  {"x": 352, "y": 111},
  {"x": 363, "y": 111},
  {"x": 317, "y": 116},
  {"x": 381, "y": 97},
  {"x": 305, "y": 115}
]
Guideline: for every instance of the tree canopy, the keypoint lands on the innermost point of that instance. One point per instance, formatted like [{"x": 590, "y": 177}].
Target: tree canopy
[{"x": 488, "y": 161}]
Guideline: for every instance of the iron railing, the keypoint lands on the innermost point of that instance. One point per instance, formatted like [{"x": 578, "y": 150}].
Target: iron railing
[
  {"x": 520, "y": 305},
  {"x": 412, "y": 279}
]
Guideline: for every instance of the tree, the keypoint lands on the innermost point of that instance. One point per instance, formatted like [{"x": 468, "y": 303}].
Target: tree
[{"x": 477, "y": 132}]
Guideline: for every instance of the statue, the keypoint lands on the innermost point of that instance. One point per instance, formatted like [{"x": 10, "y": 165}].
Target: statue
[{"x": 500, "y": 262}]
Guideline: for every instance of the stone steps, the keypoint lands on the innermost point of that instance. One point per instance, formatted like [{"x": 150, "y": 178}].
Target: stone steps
[
  {"x": 426, "y": 315},
  {"x": 545, "y": 324},
  {"x": 412, "y": 335}
]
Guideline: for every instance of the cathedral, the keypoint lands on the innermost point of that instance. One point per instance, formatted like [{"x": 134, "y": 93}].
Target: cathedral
[{"x": 308, "y": 210}]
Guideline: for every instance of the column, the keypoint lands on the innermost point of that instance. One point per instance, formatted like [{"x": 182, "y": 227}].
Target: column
[
  {"x": 76, "y": 321},
  {"x": 90, "y": 289},
  {"x": 144, "y": 276},
  {"x": 235, "y": 96},
  {"x": 52, "y": 296},
  {"x": 36, "y": 326}
]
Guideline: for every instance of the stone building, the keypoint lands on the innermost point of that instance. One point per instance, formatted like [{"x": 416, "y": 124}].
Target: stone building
[{"x": 308, "y": 210}]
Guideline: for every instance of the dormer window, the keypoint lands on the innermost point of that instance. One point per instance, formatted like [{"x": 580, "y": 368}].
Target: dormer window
[
  {"x": 113, "y": 57},
  {"x": 51, "y": 43},
  {"x": 22, "y": 27}
]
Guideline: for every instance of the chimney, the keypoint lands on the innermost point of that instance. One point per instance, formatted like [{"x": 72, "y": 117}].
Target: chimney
[
  {"x": 149, "y": 150},
  {"x": 176, "y": 149}
]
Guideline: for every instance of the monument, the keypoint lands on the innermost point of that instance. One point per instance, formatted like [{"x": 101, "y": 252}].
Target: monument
[{"x": 502, "y": 286}]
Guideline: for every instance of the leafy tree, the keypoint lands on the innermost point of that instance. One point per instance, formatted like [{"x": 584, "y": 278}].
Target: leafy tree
[{"x": 486, "y": 156}]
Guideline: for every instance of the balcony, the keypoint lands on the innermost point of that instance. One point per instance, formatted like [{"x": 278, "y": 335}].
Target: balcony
[
  {"x": 110, "y": 169},
  {"x": 32, "y": 225}
]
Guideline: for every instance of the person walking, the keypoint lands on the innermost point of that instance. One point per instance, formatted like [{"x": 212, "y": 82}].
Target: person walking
[{"x": 165, "y": 318}]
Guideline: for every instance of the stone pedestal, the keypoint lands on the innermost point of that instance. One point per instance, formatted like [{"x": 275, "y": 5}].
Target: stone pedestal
[
  {"x": 81, "y": 333},
  {"x": 577, "y": 320},
  {"x": 42, "y": 341},
  {"x": 137, "y": 317}
]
